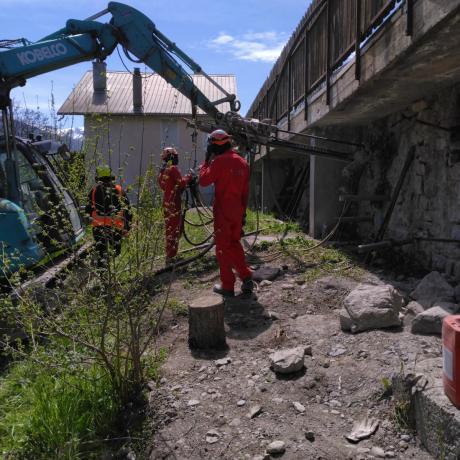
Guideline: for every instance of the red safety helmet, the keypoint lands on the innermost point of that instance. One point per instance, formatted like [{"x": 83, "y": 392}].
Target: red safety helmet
[
  {"x": 219, "y": 137},
  {"x": 169, "y": 153}
]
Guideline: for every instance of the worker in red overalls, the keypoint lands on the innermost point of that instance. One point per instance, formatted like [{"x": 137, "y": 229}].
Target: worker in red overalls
[
  {"x": 173, "y": 184},
  {"x": 229, "y": 173},
  {"x": 110, "y": 214}
]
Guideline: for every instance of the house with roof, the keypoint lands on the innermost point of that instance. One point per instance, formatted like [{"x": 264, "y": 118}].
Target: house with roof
[{"x": 130, "y": 117}]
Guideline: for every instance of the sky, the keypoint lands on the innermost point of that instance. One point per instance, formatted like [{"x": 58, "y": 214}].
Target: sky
[{"x": 241, "y": 37}]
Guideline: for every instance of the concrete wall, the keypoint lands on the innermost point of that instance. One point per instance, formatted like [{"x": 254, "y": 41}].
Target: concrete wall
[{"x": 429, "y": 202}]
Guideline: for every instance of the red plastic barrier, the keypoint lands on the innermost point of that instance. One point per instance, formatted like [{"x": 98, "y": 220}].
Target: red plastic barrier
[{"x": 451, "y": 358}]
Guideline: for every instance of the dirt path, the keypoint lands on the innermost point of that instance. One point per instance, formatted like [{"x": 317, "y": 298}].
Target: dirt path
[{"x": 201, "y": 409}]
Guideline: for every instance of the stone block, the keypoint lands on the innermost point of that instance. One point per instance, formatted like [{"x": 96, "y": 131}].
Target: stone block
[
  {"x": 288, "y": 360},
  {"x": 372, "y": 307},
  {"x": 430, "y": 321},
  {"x": 433, "y": 286}
]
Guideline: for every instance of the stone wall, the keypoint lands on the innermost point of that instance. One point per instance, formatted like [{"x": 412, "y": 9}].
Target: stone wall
[{"x": 429, "y": 201}]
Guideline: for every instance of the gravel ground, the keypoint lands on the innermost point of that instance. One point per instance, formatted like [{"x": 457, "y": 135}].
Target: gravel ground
[{"x": 201, "y": 410}]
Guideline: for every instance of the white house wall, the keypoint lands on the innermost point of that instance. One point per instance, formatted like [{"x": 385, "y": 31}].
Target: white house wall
[{"x": 130, "y": 144}]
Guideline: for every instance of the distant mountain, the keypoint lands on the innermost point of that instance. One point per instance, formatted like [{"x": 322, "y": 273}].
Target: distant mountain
[{"x": 73, "y": 137}]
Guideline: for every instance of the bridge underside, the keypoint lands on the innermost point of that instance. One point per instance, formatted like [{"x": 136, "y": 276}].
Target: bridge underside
[{"x": 396, "y": 71}]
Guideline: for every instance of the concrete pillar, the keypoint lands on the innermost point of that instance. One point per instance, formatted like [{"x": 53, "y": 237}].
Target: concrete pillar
[{"x": 325, "y": 180}]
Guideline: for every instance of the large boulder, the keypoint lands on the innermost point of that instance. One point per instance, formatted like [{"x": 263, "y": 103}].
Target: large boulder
[
  {"x": 371, "y": 307},
  {"x": 431, "y": 288},
  {"x": 288, "y": 360},
  {"x": 430, "y": 321}
]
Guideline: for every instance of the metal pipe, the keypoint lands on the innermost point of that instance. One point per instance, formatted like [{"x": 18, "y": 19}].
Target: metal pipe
[
  {"x": 358, "y": 41},
  {"x": 397, "y": 190},
  {"x": 311, "y": 136},
  {"x": 366, "y": 248},
  {"x": 98, "y": 15}
]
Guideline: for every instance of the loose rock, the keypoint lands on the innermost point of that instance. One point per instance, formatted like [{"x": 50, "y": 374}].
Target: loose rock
[
  {"x": 273, "y": 315},
  {"x": 288, "y": 360},
  {"x": 377, "y": 452},
  {"x": 430, "y": 321},
  {"x": 371, "y": 307},
  {"x": 337, "y": 351},
  {"x": 433, "y": 286},
  {"x": 310, "y": 436},
  {"x": 412, "y": 310},
  {"x": 222, "y": 362},
  {"x": 287, "y": 287},
  {"x": 193, "y": 402},
  {"x": 254, "y": 411},
  {"x": 212, "y": 436},
  {"x": 264, "y": 283},
  {"x": 241, "y": 403},
  {"x": 276, "y": 447},
  {"x": 299, "y": 407}
]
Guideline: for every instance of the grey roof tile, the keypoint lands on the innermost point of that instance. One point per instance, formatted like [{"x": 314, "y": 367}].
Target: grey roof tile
[{"x": 159, "y": 97}]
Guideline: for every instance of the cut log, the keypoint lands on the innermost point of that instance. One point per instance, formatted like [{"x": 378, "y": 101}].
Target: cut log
[{"x": 206, "y": 323}]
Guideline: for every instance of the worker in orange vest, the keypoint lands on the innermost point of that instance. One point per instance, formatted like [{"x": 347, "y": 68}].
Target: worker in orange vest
[
  {"x": 173, "y": 184},
  {"x": 110, "y": 213}
]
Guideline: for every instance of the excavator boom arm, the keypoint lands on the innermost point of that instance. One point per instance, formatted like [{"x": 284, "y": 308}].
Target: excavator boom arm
[{"x": 89, "y": 39}]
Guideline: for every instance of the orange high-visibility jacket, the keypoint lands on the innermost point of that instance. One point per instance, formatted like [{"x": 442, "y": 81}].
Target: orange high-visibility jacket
[{"x": 115, "y": 218}]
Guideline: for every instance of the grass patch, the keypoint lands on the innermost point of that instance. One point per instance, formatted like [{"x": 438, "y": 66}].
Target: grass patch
[
  {"x": 177, "y": 306},
  {"x": 65, "y": 414},
  {"x": 47, "y": 415},
  {"x": 321, "y": 261}
]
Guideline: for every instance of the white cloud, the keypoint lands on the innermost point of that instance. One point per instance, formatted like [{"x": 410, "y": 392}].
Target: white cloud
[
  {"x": 251, "y": 46},
  {"x": 222, "y": 39}
]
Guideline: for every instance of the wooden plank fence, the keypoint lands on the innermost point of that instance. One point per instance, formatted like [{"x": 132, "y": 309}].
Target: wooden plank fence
[{"x": 327, "y": 35}]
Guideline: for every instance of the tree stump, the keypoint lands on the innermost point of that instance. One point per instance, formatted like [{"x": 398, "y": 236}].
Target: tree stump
[{"x": 206, "y": 323}]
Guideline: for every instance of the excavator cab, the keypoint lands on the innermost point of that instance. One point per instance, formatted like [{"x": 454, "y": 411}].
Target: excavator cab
[{"x": 44, "y": 220}]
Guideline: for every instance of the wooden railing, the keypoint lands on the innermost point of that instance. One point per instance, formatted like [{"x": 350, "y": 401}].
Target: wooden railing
[{"x": 328, "y": 34}]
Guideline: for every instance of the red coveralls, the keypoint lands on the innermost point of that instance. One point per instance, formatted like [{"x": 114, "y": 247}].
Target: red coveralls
[
  {"x": 172, "y": 183},
  {"x": 230, "y": 175}
]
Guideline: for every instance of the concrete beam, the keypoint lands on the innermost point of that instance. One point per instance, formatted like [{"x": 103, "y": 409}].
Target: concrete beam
[
  {"x": 325, "y": 180},
  {"x": 396, "y": 69}
]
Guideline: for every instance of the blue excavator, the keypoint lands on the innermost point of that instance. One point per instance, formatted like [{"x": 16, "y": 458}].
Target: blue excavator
[
  {"x": 29, "y": 185},
  {"x": 37, "y": 214}
]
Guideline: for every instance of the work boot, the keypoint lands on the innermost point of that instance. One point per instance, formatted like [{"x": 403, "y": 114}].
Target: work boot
[
  {"x": 247, "y": 289},
  {"x": 218, "y": 289},
  {"x": 247, "y": 286}
]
